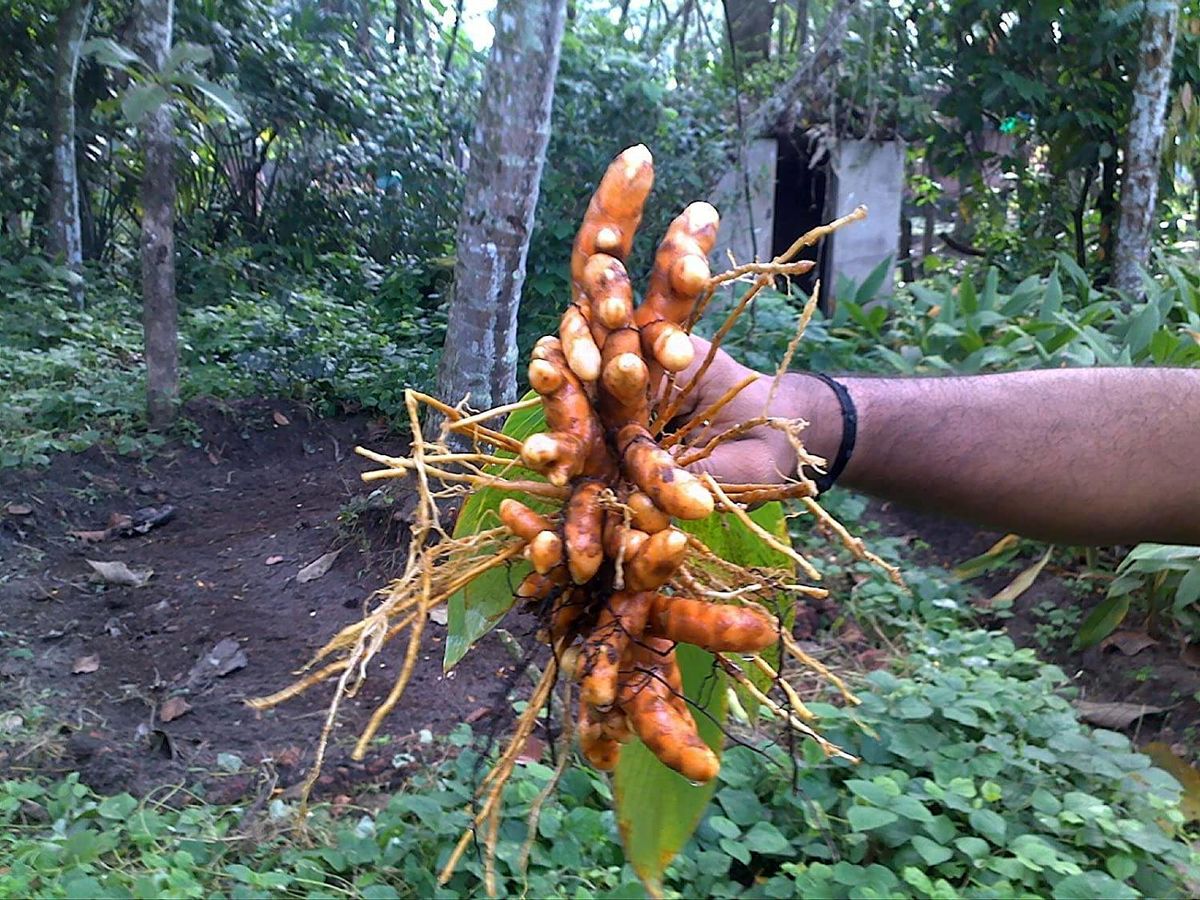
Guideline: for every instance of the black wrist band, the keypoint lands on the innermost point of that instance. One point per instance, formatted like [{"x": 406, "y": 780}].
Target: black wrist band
[{"x": 849, "y": 433}]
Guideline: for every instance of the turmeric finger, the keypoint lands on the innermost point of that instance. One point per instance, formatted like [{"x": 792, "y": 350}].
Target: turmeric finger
[
  {"x": 602, "y": 751},
  {"x": 645, "y": 515},
  {"x": 668, "y": 344},
  {"x": 579, "y": 347},
  {"x": 615, "y": 210},
  {"x": 658, "y": 559},
  {"x": 622, "y": 618},
  {"x": 521, "y": 520},
  {"x": 545, "y": 551},
  {"x": 680, "y": 271},
  {"x": 658, "y": 655},
  {"x": 583, "y": 526},
  {"x": 673, "y": 489},
  {"x": 715, "y": 627},
  {"x": 610, "y": 295},
  {"x": 558, "y": 455},
  {"x": 667, "y": 733}
]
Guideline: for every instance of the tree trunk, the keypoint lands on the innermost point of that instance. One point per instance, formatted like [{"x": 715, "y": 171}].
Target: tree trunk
[
  {"x": 807, "y": 84},
  {"x": 402, "y": 27},
  {"x": 507, "y": 153},
  {"x": 160, "y": 315},
  {"x": 64, "y": 239},
  {"x": 1143, "y": 150},
  {"x": 749, "y": 24}
]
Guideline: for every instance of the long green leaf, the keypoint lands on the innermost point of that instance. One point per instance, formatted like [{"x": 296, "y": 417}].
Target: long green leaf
[
  {"x": 658, "y": 809},
  {"x": 479, "y": 607}
]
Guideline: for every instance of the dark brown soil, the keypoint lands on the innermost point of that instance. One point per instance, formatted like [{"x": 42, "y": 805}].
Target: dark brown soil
[
  {"x": 254, "y": 501},
  {"x": 1155, "y": 676}
]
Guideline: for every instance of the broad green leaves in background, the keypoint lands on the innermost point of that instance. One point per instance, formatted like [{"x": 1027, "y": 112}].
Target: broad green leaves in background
[{"x": 479, "y": 607}]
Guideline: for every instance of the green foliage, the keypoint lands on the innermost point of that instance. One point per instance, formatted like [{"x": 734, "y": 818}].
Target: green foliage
[
  {"x": 73, "y": 377},
  {"x": 976, "y": 780},
  {"x": 1162, "y": 581}
]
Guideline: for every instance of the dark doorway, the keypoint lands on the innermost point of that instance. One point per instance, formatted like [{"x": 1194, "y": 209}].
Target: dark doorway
[{"x": 802, "y": 182}]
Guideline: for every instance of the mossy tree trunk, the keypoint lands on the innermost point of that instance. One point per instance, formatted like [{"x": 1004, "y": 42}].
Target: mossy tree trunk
[{"x": 508, "y": 150}]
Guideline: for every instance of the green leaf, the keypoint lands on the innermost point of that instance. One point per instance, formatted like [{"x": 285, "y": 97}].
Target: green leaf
[
  {"x": 1052, "y": 299},
  {"x": 109, "y": 53},
  {"x": 142, "y": 99},
  {"x": 990, "y": 824},
  {"x": 994, "y": 557},
  {"x": 1102, "y": 621},
  {"x": 866, "y": 818},
  {"x": 766, "y": 838},
  {"x": 1188, "y": 591},
  {"x": 220, "y": 97},
  {"x": 186, "y": 53},
  {"x": 933, "y": 853},
  {"x": 478, "y": 607},
  {"x": 658, "y": 809},
  {"x": 872, "y": 283}
]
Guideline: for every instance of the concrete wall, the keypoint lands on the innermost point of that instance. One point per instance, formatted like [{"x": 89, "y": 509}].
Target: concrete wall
[
  {"x": 729, "y": 197},
  {"x": 871, "y": 173}
]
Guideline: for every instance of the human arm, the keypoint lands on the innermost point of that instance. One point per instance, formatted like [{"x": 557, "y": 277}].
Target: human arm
[{"x": 1077, "y": 456}]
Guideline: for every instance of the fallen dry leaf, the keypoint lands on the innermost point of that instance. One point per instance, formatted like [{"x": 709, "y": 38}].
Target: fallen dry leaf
[
  {"x": 119, "y": 573},
  {"x": 1190, "y": 656},
  {"x": 120, "y": 520},
  {"x": 280, "y": 418},
  {"x": 274, "y": 560},
  {"x": 476, "y": 714},
  {"x": 1131, "y": 643},
  {"x": 439, "y": 615},
  {"x": 18, "y": 509},
  {"x": 1115, "y": 715},
  {"x": 91, "y": 537},
  {"x": 173, "y": 709},
  {"x": 318, "y": 567},
  {"x": 213, "y": 458},
  {"x": 1021, "y": 583},
  {"x": 85, "y": 665}
]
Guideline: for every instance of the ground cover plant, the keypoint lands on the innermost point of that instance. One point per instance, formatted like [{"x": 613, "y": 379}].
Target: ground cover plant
[{"x": 976, "y": 780}]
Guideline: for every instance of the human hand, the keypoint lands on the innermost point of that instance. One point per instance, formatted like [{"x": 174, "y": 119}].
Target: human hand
[{"x": 764, "y": 454}]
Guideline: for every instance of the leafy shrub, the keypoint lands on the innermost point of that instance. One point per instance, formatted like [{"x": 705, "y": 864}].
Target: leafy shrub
[
  {"x": 337, "y": 340},
  {"x": 1162, "y": 581}
]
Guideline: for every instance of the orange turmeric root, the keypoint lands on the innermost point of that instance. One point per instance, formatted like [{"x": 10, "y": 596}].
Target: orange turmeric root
[
  {"x": 668, "y": 733},
  {"x": 674, "y": 490},
  {"x": 583, "y": 531},
  {"x": 715, "y": 627},
  {"x": 621, "y": 619}
]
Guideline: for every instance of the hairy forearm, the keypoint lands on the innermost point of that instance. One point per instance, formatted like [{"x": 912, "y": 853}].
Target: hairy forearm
[{"x": 1077, "y": 456}]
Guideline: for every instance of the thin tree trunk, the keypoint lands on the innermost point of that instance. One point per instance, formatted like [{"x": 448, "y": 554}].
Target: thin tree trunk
[
  {"x": 160, "y": 315},
  {"x": 806, "y": 83},
  {"x": 508, "y": 150},
  {"x": 453, "y": 42},
  {"x": 402, "y": 26},
  {"x": 64, "y": 239},
  {"x": 1143, "y": 150},
  {"x": 1089, "y": 175},
  {"x": 749, "y": 30}
]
